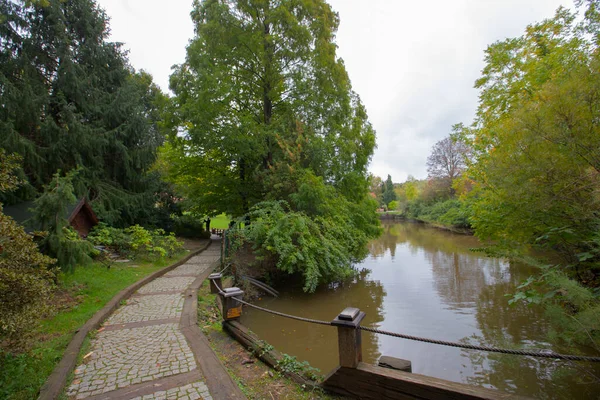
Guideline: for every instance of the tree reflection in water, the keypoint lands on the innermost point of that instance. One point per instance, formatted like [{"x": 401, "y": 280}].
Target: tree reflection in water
[
  {"x": 317, "y": 344},
  {"x": 426, "y": 282},
  {"x": 522, "y": 326}
]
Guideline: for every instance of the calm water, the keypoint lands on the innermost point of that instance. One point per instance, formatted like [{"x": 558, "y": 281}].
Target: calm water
[{"x": 425, "y": 282}]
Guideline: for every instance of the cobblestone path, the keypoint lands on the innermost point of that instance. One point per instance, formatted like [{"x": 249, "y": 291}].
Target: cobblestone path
[{"x": 142, "y": 344}]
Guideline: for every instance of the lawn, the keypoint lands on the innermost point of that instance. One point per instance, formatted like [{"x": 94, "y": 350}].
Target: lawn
[
  {"x": 79, "y": 296},
  {"x": 220, "y": 222}
]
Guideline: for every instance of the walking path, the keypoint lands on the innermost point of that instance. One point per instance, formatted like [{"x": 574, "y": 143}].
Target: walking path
[{"x": 151, "y": 347}]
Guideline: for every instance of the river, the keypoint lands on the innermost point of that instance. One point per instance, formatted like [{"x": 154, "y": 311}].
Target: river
[{"x": 427, "y": 282}]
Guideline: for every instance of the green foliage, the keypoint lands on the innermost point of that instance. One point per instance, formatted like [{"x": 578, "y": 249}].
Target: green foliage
[
  {"x": 79, "y": 105},
  {"x": 190, "y": 226},
  {"x": 136, "y": 241},
  {"x": 289, "y": 364},
  {"x": 393, "y": 205},
  {"x": 320, "y": 244},
  {"x": 8, "y": 165},
  {"x": 388, "y": 194},
  {"x": 263, "y": 109},
  {"x": 537, "y": 139},
  {"x": 574, "y": 310},
  {"x": 452, "y": 212},
  {"x": 26, "y": 279},
  {"x": 59, "y": 239},
  {"x": 536, "y": 171}
]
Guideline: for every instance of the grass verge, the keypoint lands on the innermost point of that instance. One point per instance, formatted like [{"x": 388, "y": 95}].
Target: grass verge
[
  {"x": 219, "y": 222},
  {"x": 78, "y": 297}
]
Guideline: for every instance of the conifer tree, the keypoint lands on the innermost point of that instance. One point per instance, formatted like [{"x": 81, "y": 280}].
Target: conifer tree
[{"x": 70, "y": 100}]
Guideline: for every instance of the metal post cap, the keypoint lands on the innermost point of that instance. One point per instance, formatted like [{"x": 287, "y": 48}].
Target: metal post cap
[
  {"x": 232, "y": 292},
  {"x": 350, "y": 317},
  {"x": 215, "y": 275}
]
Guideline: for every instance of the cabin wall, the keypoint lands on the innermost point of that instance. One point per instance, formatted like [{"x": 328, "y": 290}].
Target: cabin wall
[{"x": 83, "y": 222}]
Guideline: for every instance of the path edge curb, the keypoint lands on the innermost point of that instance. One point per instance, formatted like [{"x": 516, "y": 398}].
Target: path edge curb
[
  {"x": 55, "y": 383},
  {"x": 218, "y": 380}
]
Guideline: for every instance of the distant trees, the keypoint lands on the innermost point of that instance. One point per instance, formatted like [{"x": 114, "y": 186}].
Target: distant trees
[
  {"x": 388, "y": 194},
  {"x": 448, "y": 160}
]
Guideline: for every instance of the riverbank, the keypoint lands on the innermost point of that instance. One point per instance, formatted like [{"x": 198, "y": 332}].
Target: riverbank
[
  {"x": 256, "y": 379},
  {"x": 26, "y": 365},
  {"x": 426, "y": 282},
  {"x": 397, "y": 216}
]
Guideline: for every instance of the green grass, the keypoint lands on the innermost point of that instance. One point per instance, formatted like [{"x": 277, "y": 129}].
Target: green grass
[
  {"x": 88, "y": 289},
  {"x": 220, "y": 222}
]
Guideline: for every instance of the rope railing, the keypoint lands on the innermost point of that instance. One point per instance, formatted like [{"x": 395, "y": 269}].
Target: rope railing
[{"x": 541, "y": 353}]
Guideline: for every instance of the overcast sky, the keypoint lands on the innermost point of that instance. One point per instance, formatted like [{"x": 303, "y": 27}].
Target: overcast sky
[{"x": 412, "y": 62}]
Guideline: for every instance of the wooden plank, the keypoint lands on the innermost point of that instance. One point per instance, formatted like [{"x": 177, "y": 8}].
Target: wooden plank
[{"x": 372, "y": 382}]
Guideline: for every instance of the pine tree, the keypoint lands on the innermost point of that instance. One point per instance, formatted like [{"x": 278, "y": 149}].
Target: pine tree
[{"x": 70, "y": 100}]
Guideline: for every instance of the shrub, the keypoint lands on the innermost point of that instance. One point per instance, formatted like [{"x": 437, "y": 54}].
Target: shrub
[
  {"x": 189, "y": 226},
  {"x": 136, "y": 241},
  {"x": 26, "y": 280}
]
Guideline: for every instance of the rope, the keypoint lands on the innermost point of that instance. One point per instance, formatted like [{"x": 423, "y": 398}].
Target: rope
[
  {"x": 312, "y": 321},
  {"x": 540, "y": 353}
]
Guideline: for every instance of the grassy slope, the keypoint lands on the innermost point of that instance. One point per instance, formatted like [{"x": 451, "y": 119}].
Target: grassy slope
[
  {"x": 219, "y": 222},
  {"x": 80, "y": 295}
]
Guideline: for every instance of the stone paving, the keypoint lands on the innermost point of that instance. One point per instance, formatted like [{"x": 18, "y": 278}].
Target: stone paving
[
  {"x": 125, "y": 356},
  {"x": 187, "y": 269},
  {"x": 148, "y": 308},
  {"x": 192, "y": 391},
  {"x": 168, "y": 284}
]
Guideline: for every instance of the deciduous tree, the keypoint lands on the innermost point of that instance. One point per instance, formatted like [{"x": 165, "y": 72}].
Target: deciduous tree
[{"x": 264, "y": 110}]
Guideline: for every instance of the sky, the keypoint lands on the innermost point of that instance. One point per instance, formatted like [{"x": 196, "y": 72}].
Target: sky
[{"x": 413, "y": 63}]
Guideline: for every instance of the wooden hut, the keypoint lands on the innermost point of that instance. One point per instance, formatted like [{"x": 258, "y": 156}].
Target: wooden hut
[{"x": 80, "y": 216}]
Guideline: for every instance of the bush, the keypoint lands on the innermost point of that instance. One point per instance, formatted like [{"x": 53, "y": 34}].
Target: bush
[
  {"x": 136, "y": 241},
  {"x": 190, "y": 226},
  {"x": 25, "y": 279}
]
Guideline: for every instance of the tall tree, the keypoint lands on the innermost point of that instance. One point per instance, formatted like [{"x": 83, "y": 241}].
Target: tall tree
[
  {"x": 264, "y": 110},
  {"x": 70, "y": 100},
  {"x": 537, "y": 138},
  {"x": 388, "y": 194}
]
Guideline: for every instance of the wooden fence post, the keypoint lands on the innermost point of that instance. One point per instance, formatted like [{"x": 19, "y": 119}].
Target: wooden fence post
[
  {"x": 232, "y": 309},
  {"x": 349, "y": 336},
  {"x": 215, "y": 282}
]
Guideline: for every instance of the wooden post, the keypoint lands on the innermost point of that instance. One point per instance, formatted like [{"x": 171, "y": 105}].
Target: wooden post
[
  {"x": 215, "y": 282},
  {"x": 232, "y": 309},
  {"x": 349, "y": 336}
]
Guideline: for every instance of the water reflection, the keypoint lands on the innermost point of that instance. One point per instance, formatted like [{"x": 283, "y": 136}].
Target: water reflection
[
  {"x": 426, "y": 282},
  {"x": 317, "y": 344}
]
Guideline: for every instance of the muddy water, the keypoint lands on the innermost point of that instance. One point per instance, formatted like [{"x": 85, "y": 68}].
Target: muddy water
[{"x": 426, "y": 282}]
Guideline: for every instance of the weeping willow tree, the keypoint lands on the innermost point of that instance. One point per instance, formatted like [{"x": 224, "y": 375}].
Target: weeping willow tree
[
  {"x": 265, "y": 123},
  {"x": 69, "y": 100}
]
